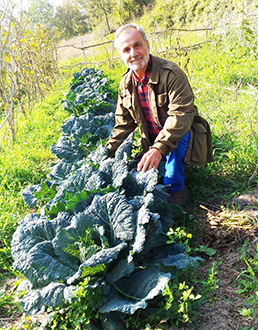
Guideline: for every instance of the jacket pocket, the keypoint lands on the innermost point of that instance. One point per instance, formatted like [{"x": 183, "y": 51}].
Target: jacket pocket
[
  {"x": 162, "y": 99},
  {"x": 196, "y": 154},
  {"x": 199, "y": 148},
  {"x": 127, "y": 101}
]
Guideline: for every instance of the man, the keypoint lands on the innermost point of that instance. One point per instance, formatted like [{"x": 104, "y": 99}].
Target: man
[{"x": 155, "y": 94}]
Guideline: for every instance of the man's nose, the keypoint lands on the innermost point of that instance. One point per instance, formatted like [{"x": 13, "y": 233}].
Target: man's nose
[{"x": 133, "y": 52}]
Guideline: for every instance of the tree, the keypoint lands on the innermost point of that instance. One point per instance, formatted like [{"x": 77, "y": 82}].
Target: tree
[
  {"x": 99, "y": 10},
  {"x": 112, "y": 12},
  {"x": 70, "y": 21},
  {"x": 132, "y": 8},
  {"x": 27, "y": 63},
  {"x": 41, "y": 12}
]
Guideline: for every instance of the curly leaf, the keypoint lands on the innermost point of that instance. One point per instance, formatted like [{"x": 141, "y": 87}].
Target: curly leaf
[
  {"x": 97, "y": 262},
  {"x": 115, "y": 171},
  {"x": 125, "y": 149},
  {"x": 137, "y": 289},
  {"x": 28, "y": 195},
  {"x": 36, "y": 301},
  {"x": 115, "y": 214},
  {"x": 138, "y": 183},
  {"x": 34, "y": 255}
]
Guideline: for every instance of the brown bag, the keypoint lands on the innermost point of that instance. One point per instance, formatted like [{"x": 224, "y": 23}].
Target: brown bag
[{"x": 200, "y": 149}]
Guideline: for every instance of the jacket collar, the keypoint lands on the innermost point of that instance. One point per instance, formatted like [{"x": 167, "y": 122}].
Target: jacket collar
[{"x": 154, "y": 75}]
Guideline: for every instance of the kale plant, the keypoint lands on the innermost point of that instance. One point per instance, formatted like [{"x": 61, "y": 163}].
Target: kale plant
[{"x": 101, "y": 220}]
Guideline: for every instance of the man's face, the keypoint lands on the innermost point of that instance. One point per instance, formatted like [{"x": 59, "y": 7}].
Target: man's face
[{"x": 133, "y": 49}]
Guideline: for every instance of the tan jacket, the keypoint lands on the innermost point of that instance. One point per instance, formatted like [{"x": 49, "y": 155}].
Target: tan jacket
[{"x": 172, "y": 105}]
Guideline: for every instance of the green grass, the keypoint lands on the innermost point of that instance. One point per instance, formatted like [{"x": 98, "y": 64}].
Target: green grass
[
  {"x": 26, "y": 161},
  {"x": 247, "y": 280}
]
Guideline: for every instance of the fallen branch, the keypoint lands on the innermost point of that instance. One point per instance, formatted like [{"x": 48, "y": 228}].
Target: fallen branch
[{"x": 86, "y": 47}]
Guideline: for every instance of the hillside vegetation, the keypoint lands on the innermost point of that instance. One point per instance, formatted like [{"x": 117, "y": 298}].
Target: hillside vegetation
[{"x": 223, "y": 73}]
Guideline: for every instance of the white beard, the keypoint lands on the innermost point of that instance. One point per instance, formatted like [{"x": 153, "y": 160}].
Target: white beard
[{"x": 139, "y": 64}]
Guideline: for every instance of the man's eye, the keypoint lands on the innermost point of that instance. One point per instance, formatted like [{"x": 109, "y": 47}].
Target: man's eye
[{"x": 126, "y": 50}]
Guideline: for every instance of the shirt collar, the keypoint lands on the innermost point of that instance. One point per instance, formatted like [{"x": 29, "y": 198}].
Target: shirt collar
[{"x": 144, "y": 81}]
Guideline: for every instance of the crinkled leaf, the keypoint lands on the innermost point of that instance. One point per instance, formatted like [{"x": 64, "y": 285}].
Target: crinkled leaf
[
  {"x": 115, "y": 171},
  {"x": 34, "y": 255},
  {"x": 179, "y": 261},
  {"x": 137, "y": 289},
  {"x": 122, "y": 268},
  {"x": 156, "y": 202},
  {"x": 125, "y": 149},
  {"x": 32, "y": 302},
  {"x": 77, "y": 200},
  {"x": 102, "y": 257},
  {"x": 74, "y": 243},
  {"x": 37, "y": 300},
  {"x": 30, "y": 217},
  {"x": 143, "y": 217},
  {"x": 75, "y": 189},
  {"x": 66, "y": 149},
  {"x": 28, "y": 195},
  {"x": 98, "y": 155},
  {"x": 123, "y": 306},
  {"x": 66, "y": 237},
  {"x": 63, "y": 220},
  {"x": 61, "y": 170},
  {"x": 138, "y": 183},
  {"x": 155, "y": 235},
  {"x": 115, "y": 214},
  {"x": 144, "y": 284}
]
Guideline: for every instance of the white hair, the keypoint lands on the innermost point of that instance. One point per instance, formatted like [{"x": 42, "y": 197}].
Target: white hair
[{"x": 126, "y": 27}]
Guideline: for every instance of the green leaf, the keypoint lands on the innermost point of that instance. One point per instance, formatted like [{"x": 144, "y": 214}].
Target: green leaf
[{"x": 205, "y": 249}]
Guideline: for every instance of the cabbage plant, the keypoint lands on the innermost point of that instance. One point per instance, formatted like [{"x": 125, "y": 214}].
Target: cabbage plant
[{"x": 98, "y": 218}]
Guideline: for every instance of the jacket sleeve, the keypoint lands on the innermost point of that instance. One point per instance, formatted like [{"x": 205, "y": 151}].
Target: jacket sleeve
[
  {"x": 124, "y": 125},
  {"x": 180, "y": 113}
]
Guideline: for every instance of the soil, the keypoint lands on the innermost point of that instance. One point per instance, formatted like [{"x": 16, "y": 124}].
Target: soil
[{"x": 225, "y": 230}]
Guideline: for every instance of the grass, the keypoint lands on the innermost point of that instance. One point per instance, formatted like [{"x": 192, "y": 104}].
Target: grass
[
  {"x": 26, "y": 161},
  {"x": 247, "y": 280},
  {"x": 214, "y": 70}
]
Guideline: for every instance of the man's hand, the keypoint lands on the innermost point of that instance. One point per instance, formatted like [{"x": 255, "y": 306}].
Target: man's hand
[{"x": 149, "y": 160}]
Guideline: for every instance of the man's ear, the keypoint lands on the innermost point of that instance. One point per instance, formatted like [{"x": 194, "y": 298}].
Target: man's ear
[{"x": 148, "y": 45}]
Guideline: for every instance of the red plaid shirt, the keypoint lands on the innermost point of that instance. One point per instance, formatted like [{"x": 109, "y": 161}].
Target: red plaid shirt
[{"x": 144, "y": 96}]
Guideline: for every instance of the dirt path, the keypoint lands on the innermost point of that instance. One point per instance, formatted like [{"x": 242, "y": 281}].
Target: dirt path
[{"x": 227, "y": 231}]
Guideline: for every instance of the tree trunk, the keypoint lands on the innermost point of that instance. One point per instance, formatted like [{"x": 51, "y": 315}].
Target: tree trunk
[{"x": 106, "y": 17}]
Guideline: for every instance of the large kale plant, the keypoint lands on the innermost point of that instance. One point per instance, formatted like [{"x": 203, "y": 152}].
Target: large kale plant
[{"x": 98, "y": 218}]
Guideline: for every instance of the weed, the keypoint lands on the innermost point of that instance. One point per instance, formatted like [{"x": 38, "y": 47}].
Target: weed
[
  {"x": 248, "y": 283},
  {"x": 80, "y": 310},
  {"x": 179, "y": 236}
]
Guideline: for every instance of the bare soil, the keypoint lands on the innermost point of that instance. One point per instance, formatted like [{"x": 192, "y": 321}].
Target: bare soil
[{"x": 225, "y": 230}]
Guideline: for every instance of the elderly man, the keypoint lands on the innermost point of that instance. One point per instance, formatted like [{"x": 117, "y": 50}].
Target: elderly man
[{"x": 155, "y": 94}]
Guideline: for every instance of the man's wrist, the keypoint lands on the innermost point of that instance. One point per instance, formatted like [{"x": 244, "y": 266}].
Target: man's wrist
[{"x": 157, "y": 149}]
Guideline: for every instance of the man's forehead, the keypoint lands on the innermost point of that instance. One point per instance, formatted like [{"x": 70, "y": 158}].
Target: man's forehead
[{"x": 129, "y": 35}]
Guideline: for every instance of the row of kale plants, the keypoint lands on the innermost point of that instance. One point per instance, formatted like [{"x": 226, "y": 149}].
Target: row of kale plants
[{"x": 96, "y": 218}]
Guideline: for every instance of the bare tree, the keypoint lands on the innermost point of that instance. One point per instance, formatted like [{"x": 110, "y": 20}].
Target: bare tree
[{"x": 27, "y": 62}]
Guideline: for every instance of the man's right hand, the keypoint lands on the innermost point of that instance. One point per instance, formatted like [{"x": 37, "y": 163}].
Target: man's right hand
[{"x": 149, "y": 160}]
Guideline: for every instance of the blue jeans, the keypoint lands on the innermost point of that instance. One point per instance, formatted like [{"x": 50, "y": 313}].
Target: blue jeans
[{"x": 175, "y": 165}]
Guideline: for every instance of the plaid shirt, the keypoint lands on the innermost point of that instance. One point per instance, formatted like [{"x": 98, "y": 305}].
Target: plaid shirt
[{"x": 144, "y": 96}]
